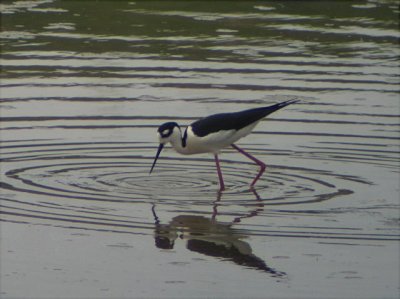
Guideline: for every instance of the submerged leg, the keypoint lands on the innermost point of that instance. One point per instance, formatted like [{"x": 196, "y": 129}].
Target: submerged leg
[
  {"x": 258, "y": 162},
  {"x": 221, "y": 179}
]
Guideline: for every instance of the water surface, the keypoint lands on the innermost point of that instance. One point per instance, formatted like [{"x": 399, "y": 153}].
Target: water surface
[{"x": 85, "y": 85}]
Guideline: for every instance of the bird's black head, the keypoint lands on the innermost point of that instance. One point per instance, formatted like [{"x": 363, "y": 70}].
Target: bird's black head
[
  {"x": 166, "y": 129},
  {"x": 164, "y": 133}
]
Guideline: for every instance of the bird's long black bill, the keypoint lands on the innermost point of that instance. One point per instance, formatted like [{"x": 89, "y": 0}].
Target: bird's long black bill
[{"x": 158, "y": 154}]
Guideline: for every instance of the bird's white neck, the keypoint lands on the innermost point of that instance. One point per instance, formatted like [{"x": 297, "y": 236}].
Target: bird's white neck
[{"x": 176, "y": 141}]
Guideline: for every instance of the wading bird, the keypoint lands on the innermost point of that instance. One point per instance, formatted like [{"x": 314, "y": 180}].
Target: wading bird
[{"x": 215, "y": 132}]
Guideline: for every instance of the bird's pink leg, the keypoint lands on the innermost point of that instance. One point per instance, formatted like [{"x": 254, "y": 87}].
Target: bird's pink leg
[
  {"x": 221, "y": 179},
  {"x": 260, "y": 163}
]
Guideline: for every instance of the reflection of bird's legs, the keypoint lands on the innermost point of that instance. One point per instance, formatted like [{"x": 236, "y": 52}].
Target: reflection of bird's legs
[
  {"x": 258, "y": 198},
  {"x": 254, "y": 212},
  {"x": 215, "y": 206},
  {"x": 237, "y": 219}
]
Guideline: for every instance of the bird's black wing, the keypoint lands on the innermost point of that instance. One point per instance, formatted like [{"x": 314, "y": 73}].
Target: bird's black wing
[{"x": 235, "y": 120}]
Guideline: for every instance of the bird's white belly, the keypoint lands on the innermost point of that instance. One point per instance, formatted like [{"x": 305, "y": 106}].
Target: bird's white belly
[{"x": 214, "y": 142}]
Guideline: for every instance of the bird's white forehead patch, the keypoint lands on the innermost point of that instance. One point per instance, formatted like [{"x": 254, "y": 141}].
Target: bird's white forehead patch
[{"x": 165, "y": 132}]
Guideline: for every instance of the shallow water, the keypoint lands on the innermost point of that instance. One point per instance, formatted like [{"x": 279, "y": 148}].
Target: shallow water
[{"x": 85, "y": 85}]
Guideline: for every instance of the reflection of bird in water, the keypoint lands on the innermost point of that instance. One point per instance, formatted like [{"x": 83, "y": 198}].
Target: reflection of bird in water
[
  {"x": 212, "y": 238},
  {"x": 215, "y": 132}
]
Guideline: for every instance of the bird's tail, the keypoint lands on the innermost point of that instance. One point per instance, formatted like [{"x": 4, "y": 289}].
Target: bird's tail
[
  {"x": 285, "y": 103},
  {"x": 278, "y": 106}
]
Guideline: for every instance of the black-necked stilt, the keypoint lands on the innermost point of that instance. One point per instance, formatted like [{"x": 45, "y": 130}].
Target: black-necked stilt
[{"x": 215, "y": 132}]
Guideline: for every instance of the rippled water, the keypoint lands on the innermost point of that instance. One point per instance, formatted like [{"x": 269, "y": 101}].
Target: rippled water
[{"x": 85, "y": 85}]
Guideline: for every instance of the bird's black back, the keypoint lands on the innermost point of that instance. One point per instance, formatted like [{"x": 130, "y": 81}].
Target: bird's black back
[{"x": 235, "y": 120}]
